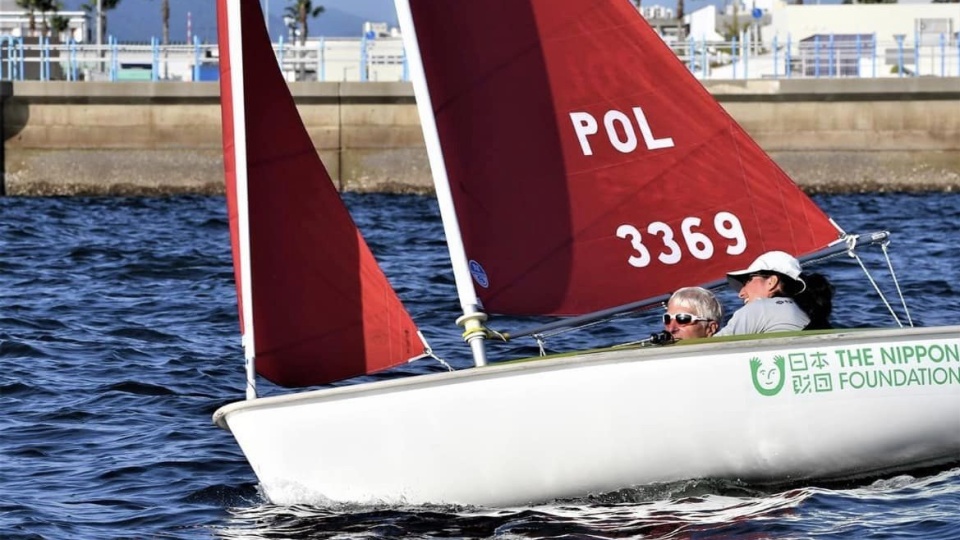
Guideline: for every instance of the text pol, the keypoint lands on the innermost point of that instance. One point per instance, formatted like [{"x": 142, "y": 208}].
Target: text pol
[{"x": 620, "y": 131}]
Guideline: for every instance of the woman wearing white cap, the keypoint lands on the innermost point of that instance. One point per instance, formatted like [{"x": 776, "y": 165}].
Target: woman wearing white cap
[{"x": 766, "y": 288}]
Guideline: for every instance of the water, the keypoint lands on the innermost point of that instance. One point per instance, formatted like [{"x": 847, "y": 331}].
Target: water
[{"x": 119, "y": 338}]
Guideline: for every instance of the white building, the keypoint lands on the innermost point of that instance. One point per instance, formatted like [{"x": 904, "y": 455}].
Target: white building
[
  {"x": 15, "y": 21},
  {"x": 886, "y": 21},
  {"x": 703, "y": 25},
  {"x": 656, "y": 12}
]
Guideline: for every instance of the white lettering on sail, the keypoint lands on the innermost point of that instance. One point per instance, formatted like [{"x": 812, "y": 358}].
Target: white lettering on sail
[
  {"x": 584, "y": 125},
  {"x": 665, "y": 233},
  {"x": 620, "y": 131},
  {"x": 609, "y": 122},
  {"x": 728, "y": 226},
  {"x": 698, "y": 244},
  {"x": 629, "y": 232},
  {"x": 648, "y": 139}
]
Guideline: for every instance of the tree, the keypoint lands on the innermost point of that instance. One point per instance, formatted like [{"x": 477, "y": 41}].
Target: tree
[
  {"x": 680, "y": 32},
  {"x": 301, "y": 11},
  {"x": 91, "y": 8},
  {"x": 165, "y": 17},
  {"x": 44, "y": 7},
  {"x": 30, "y": 6},
  {"x": 735, "y": 27},
  {"x": 59, "y": 24}
]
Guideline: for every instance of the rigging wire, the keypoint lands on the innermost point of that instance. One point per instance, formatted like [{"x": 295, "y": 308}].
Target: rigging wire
[
  {"x": 428, "y": 353},
  {"x": 541, "y": 336},
  {"x": 896, "y": 282},
  {"x": 845, "y": 245},
  {"x": 873, "y": 282}
]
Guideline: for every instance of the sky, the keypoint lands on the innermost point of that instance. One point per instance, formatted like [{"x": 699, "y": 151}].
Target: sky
[{"x": 139, "y": 20}]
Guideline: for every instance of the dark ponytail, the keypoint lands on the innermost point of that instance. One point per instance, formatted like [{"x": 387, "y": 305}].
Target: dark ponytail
[{"x": 816, "y": 300}]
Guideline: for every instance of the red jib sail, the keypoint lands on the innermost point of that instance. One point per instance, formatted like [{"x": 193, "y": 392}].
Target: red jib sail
[
  {"x": 322, "y": 308},
  {"x": 588, "y": 167}
]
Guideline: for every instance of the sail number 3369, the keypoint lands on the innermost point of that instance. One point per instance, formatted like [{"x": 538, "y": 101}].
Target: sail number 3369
[{"x": 697, "y": 243}]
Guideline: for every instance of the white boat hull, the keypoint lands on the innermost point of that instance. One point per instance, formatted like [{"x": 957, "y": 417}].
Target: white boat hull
[{"x": 851, "y": 405}]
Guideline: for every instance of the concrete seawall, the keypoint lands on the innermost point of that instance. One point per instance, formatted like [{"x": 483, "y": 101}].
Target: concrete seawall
[{"x": 830, "y": 135}]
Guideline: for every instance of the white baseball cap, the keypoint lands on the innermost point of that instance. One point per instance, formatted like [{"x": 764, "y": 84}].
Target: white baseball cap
[{"x": 778, "y": 262}]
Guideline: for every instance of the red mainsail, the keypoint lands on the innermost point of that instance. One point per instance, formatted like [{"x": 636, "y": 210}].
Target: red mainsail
[
  {"x": 322, "y": 310},
  {"x": 588, "y": 167}
]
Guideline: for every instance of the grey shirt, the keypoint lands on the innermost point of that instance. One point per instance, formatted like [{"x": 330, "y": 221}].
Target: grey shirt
[{"x": 765, "y": 315}]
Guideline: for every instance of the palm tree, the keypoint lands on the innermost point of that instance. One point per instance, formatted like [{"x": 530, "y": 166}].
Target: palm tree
[
  {"x": 30, "y": 6},
  {"x": 680, "y": 32},
  {"x": 91, "y": 8},
  {"x": 165, "y": 17},
  {"x": 301, "y": 11},
  {"x": 59, "y": 24},
  {"x": 44, "y": 7}
]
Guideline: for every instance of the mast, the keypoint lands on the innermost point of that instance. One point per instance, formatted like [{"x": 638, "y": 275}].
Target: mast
[
  {"x": 473, "y": 316},
  {"x": 238, "y": 108}
]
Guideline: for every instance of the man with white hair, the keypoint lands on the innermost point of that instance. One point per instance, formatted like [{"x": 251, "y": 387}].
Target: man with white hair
[{"x": 692, "y": 312}]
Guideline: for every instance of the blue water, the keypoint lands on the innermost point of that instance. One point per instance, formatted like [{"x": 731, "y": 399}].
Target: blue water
[{"x": 119, "y": 338}]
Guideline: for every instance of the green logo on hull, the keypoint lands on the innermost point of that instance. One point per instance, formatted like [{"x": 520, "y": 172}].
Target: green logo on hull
[
  {"x": 768, "y": 380},
  {"x": 852, "y": 369}
]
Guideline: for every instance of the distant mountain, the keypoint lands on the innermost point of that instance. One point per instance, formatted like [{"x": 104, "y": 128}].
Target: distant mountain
[{"x": 139, "y": 20}]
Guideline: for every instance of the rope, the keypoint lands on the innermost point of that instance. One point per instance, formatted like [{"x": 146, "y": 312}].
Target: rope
[{"x": 497, "y": 334}]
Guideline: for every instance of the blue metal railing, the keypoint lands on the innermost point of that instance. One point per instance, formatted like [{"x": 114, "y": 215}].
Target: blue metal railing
[
  {"x": 822, "y": 56},
  {"x": 383, "y": 59}
]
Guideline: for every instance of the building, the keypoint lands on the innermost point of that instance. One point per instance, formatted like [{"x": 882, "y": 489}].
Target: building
[
  {"x": 657, "y": 12},
  {"x": 925, "y": 24},
  {"x": 15, "y": 22},
  {"x": 773, "y": 38}
]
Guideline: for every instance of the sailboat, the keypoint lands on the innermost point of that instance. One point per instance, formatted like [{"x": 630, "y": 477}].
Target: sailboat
[{"x": 565, "y": 140}]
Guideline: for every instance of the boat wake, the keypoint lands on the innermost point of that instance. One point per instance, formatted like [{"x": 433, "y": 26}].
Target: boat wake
[
  {"x": 694, "y": 508},
  {"x": 668, "y": 518}
]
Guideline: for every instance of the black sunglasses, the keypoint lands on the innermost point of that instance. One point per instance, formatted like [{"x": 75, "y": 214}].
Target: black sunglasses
[{"x": 682, "y": 319}]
